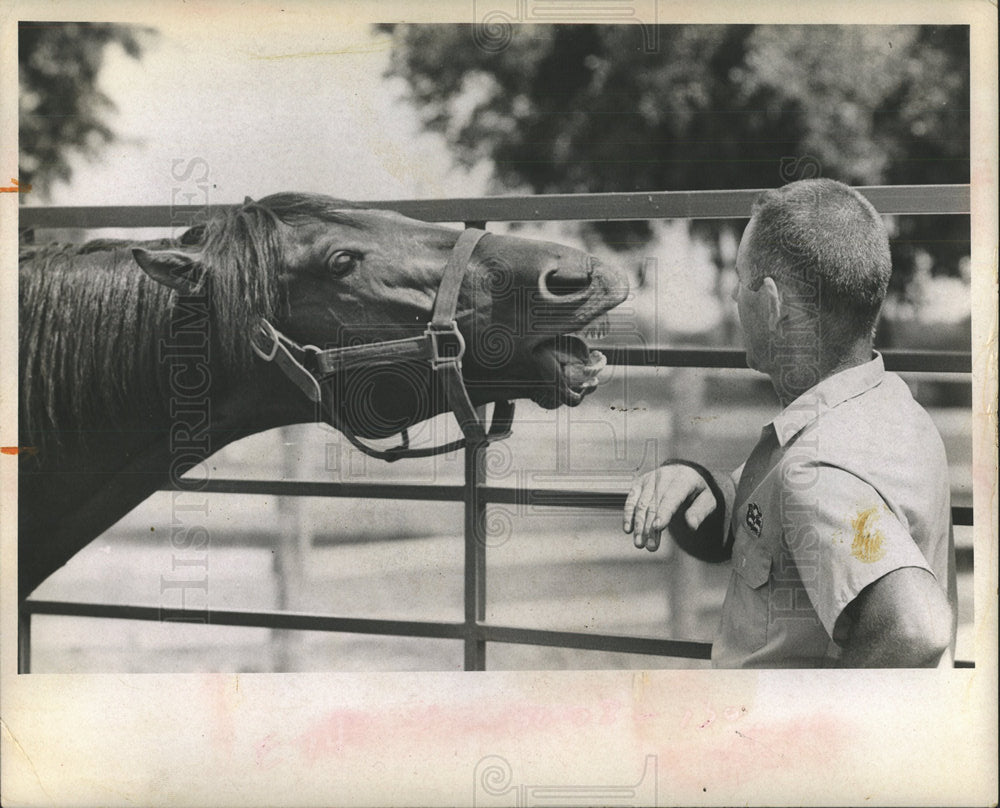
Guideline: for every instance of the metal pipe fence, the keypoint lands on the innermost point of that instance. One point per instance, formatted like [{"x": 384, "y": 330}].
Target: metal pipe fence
[{"x": 475, "y": 494}]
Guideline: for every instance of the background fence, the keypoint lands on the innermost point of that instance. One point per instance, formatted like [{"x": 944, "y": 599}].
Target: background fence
[{"x": 475, "y": 493}]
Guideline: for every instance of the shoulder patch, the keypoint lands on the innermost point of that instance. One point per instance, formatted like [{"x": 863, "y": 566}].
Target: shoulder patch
[{"x": 868, "y": 543}]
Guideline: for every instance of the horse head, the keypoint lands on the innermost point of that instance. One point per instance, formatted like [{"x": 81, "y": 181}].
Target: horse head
[
  {"x": 273, "y": 313},
  {"x": 337, "y": 281}
]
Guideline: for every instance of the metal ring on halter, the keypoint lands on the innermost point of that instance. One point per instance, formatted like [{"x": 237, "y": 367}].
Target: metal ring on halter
[
  {"x": 439, "y": 335},
  {"x": 269, "y": 330}
]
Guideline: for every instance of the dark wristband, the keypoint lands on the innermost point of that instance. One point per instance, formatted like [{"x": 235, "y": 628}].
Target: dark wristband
[{"x": 711, "y": 541}]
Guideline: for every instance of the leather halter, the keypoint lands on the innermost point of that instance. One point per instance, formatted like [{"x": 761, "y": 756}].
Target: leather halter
[{"x": 441, "y": 345}]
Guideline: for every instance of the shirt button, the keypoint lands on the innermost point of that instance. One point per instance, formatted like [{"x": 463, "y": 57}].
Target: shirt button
[{"x": 743, "y": 561}]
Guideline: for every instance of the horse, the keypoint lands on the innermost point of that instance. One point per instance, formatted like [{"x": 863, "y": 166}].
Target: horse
[{"x": 138, "y": 360}]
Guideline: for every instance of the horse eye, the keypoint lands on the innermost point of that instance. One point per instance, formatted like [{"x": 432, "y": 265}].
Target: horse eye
[{"x": 343, "y": 261}]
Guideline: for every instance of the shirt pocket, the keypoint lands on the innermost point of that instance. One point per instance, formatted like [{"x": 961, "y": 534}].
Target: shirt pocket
[{"x": 752, "y": 561}]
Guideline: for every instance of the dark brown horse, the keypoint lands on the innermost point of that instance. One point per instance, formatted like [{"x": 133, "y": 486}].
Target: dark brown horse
[{"x": 129, "y": 378}]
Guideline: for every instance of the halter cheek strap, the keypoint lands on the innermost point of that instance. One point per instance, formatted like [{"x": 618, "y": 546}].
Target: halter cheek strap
[
  {"x": 441, "y": 345},
  {"x": 447, "y": 345}
]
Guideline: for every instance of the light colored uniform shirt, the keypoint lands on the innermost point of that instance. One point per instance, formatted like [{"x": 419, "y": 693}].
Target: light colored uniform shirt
[{"x": 854, "y": 485}]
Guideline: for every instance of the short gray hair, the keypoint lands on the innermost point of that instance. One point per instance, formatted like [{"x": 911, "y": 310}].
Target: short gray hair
[{"x": 825, "y": 233}]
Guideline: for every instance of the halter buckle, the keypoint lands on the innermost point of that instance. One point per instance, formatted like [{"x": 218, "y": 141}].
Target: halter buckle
[{"x": 447, "y": 344}]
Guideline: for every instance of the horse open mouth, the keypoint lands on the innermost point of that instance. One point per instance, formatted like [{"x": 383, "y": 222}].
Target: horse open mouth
[{"x": 569, "y": 367}]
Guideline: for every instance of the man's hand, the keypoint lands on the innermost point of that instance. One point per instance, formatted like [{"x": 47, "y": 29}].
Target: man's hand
[{"x": 659, "y": 495}]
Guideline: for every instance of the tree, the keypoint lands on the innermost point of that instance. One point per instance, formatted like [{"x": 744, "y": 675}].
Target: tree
[
  {"x": 584, "y": 108},
  {"x": 61, "y": 107}
]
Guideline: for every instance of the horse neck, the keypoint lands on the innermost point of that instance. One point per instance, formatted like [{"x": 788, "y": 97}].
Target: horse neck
[
  {"x": 115, "y": 416},
  {"x": 64, "y": 504},
  {"x": 104, "y": 348},
  {"x": 116, "y": 375}
]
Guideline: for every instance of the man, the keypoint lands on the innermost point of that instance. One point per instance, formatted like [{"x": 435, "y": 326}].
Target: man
[{"x": 838, "y": 526}]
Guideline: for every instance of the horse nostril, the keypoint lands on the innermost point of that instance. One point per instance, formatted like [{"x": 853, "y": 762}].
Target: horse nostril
[{"x": 564, "y": 281}]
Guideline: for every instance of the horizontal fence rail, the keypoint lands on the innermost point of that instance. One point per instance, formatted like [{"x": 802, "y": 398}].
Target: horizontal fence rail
[
  {"x": 494, "y": 495},
  {"x": 474, "y": 631},
  {"x": 887, "y": 199},
  {"x": 296, "y": 621},
  {"x": 735, "y": 359}
]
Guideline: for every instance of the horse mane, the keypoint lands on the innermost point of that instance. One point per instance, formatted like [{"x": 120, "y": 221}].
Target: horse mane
[{"x": 92, "y": 322}]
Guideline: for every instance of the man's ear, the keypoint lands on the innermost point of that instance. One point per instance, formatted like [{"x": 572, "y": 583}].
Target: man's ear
[
  {"x": 772, "y": 302},
  {"x": 180, "y": 271}
]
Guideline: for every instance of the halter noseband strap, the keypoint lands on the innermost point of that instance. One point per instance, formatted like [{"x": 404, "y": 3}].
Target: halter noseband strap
[{"x": 441, "y": 344}]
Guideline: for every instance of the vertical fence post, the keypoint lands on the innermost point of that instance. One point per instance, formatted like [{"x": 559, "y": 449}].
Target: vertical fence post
[
  {"x": 23, "y": 639},
  {"x": 475, "y": 556},
  {"x": 292, "y": 540},
  {"x": 475, "y": 543}
]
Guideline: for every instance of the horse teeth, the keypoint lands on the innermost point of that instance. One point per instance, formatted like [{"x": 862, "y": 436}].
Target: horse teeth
[{"x": 597, "y": 329}]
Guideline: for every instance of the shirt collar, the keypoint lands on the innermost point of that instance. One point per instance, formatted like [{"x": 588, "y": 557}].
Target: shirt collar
[{"x": 826, "y": 395}]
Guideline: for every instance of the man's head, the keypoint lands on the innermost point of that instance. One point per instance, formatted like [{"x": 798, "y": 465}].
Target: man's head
[{"x": 813, "y": 270}]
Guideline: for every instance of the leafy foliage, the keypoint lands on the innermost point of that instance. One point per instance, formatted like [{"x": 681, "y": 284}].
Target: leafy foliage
[
  {"x": 61, "y": 107},
  {"x": 584, "y": 108}
]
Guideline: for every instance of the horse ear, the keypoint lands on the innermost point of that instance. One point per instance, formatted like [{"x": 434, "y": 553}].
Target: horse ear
[
  {"x": 247, "y": 200},
  {"x": 180, "y": 271}
]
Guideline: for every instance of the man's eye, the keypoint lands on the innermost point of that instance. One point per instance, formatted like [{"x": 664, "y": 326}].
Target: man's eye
[{"x": 343, "y": 261}]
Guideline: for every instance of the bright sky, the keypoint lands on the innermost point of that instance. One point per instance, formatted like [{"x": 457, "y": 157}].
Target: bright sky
[{"x": 275, "y": 109}]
